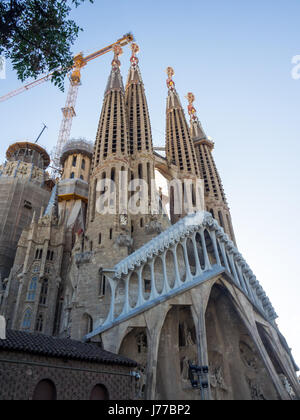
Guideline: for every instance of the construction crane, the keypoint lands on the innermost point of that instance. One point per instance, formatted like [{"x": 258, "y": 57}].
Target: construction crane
[{"x": 75, "y": 81}]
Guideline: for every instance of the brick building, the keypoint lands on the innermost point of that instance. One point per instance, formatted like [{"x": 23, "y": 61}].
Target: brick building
[{"x": 36, "y": 367}]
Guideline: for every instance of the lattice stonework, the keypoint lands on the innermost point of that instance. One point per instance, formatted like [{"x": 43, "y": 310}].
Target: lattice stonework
[{"x": 214, "y": 254}]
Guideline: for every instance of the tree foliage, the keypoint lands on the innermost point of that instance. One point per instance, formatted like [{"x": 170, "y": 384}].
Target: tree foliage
[{"x": 37, "y": 35}]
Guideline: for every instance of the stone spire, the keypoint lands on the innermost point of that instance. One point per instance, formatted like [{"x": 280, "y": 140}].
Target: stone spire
[
  {"x": 142, "y": 165},
  {"x": 110, "y": 228},
  {"x": 115, "y": 81},
  {"x": 215, "y": 199},
  {"x": 140, "y": 137},
  {"x": 197, "y": 131},
  {"x": 179, "y": 146},
  {"x": 111, "y": 138}
]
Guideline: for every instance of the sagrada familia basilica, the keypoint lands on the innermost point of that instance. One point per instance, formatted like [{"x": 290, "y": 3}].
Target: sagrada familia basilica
[{"x": 103, "y": 256}]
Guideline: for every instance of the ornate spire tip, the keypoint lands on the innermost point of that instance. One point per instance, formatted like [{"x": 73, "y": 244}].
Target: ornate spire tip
[
  {"x": 135, "y": 50},
  {"x": 191, "y": 110},
  {"x": 117, "y": 51},
  {"x": 170, "y": 83}
]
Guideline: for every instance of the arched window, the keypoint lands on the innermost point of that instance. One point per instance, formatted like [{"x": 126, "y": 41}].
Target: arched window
[
  {"x": 44, "y": 292},
  {"x": 74, "y": 161},
  {"x": 45, "y": 391},
  {"x": 83, "y": 164},
  {"x": 39, "y": 323},
  {"x": 99, "y": 392},
  {"x": 72, "y": 175},
  {"x": 81, "y": 177},
  {"x": 26, "y": 324},
  {"x": 32, "y": 289}
]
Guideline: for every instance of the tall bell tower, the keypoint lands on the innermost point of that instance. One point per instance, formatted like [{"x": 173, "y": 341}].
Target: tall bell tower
[
  {"x": 180, "y": 152},
  {"x": 149, "y": 221},
  {"x": 108, "y": 221},
  {"x": 215, "y": 199}
]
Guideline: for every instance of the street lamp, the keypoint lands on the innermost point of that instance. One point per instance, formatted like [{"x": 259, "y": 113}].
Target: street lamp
[{"x": 198, "y": 376}]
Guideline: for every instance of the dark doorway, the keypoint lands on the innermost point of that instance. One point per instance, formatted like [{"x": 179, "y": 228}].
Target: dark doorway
[
  {"x": 45, "y": 390},
  {"x": 99, "y": 392}
]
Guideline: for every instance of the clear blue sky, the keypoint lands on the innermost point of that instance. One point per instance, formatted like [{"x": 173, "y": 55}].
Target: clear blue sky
[{"x": 235, "y": 56}]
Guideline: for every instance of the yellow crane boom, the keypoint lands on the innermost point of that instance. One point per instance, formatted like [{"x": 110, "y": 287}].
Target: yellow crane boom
[
  {"x": 79, "y": 62},
  {"x": 75, "y": 81}
]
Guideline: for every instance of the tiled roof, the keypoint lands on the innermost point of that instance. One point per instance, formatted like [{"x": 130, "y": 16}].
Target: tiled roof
[{"x": 60, "y": 347}]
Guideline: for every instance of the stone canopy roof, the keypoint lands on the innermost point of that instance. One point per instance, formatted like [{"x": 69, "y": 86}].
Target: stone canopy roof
[{"x": 61, "y": 347}]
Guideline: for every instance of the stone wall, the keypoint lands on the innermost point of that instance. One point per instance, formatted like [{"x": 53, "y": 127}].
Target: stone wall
[{"x": 74, "y": 380}]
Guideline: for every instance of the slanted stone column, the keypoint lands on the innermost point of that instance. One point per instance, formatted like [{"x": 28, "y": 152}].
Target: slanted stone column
[
  {"x": 198, "y": 312},
  {"x": 155, "y": 320}
]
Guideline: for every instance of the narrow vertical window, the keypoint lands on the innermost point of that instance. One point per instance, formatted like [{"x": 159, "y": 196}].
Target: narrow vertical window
[
  {"x": 26, "y": 324},
  {"x": 99, "y": 239},
  {"x": 193, "y": 195},
  {"x": 110, "y": 233},
  {"x": 140, "y": 171},
  {"x": 39, "y": 323},
  {"x": 72, "y": 175},
  {"x": 93, "y": 208},
  {"x": 149, "y": 181},
  {"x": 32, "y": 289},
  {"x": 83, "y": 164},
  {"x": 44, "y": 292},
  {"x": 74, "y": 161},
  {"x": 113, "y": 174},
  {"x": 102, "y": 285}
]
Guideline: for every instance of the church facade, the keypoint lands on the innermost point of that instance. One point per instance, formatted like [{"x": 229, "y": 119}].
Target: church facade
[{"x": 105, "y": 261}]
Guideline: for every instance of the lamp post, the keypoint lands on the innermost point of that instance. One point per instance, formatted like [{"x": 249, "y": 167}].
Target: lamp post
[{"x": 198, "y": 376}]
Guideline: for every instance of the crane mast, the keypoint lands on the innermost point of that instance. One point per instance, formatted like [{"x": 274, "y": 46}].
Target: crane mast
[{"x": 65, "y": 128}]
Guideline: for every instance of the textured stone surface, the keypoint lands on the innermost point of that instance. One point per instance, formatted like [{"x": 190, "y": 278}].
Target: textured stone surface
[{"x": 74, "y": 380}]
